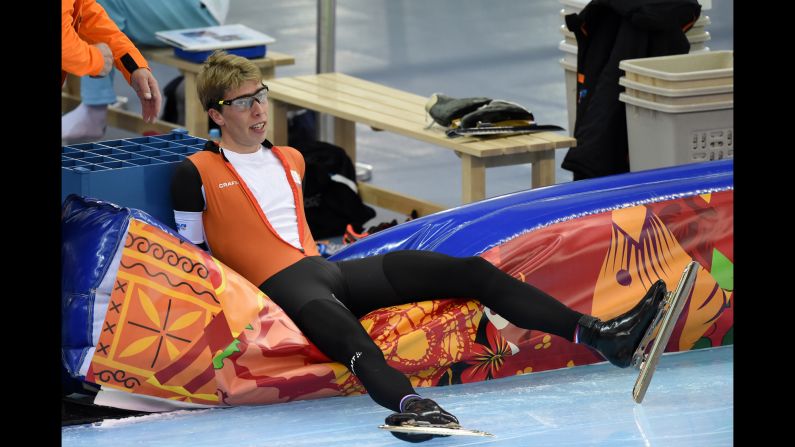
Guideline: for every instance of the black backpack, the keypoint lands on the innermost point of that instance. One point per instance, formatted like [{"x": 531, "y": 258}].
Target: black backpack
[{"x": 330, "y": 201}]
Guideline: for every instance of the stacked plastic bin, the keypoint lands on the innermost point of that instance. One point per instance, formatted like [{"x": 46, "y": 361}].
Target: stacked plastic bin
[
  {"x": 134, "y": 172},
  {"x": 697, "y": 36},
  {"x": 679, "y": 108}
]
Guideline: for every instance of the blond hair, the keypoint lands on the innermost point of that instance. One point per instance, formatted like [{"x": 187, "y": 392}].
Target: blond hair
[{"x": 222, "y": 72}]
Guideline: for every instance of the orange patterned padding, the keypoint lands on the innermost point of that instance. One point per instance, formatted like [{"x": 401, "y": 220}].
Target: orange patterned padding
[{"x": 181, "y": 325}]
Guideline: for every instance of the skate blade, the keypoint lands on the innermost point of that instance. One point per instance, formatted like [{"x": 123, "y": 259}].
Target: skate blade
[
  {"x": 642, "y": 351},
  {"x": 670, "y": 314},
  {"x": 434, "y": 430},
  {"x": 651, "y": 332}
]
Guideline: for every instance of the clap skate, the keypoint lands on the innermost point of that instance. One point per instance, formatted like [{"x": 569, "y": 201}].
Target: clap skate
[
  {"x": 659, "y": 332},
  {"x": 424, "y": 432},
  {"x": 424, "y": 419}
]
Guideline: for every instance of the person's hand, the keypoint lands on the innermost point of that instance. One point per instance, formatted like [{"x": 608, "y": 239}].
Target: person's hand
[
  {"x": 107, "y": 55},
  {"x": 145, "y": 86}
]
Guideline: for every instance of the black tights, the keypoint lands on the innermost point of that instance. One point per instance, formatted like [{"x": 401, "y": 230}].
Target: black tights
[{"x": 326, "y": 299}]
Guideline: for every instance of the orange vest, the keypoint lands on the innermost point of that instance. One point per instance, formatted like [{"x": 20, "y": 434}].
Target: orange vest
[{"x": 235, "y": 227}]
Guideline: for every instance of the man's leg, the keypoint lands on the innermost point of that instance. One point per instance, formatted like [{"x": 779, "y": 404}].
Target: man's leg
[
  {"x": 339, "y": 335},
  {"x": 88, "y": 120},
  {"x": 411, "y": 275},
  {"x": 414, "y": 275},
  {"x": 312, "y": 292}
]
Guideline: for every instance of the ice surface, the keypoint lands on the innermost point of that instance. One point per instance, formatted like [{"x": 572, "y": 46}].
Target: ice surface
[{"x": 690, "y": 402}]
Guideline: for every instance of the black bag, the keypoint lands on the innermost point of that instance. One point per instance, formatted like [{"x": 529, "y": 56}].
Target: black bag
[
  {"x": 174, "y": 104},
  {"x": 301, "y": 127},
  {"x": 330, "y": 201},
  {"x": 171, "y": 112},
  {"x": 607, "y": 32}
]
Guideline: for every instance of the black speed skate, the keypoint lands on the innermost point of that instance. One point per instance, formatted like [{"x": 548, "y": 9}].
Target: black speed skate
[
  {"x": 639, "y": 336},
  {"x": 653, "y": 344},
  {"x": 421, "y": 413},
  {"x": 618, "y": 338}
]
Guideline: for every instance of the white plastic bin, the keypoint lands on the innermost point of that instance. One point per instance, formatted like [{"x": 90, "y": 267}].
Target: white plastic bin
[
  {"x": 699, "y": 50},
  {"x": 572, "y": 6},
  {"x": 697, "y": 41},
  {"x": 700, "y": 37},
  {"x": 661, "y": 135},
  {"x": 706, "y": 69},
  {"x": 570, "y": 75},
  {"x": 569, "y": 52},
  {"x": 677, "y": 97},
  {"x": 700, "y": 26},
  {"x": 568, "y": 36}
]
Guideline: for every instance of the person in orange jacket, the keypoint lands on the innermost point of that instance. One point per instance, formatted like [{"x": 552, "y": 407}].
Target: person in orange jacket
[{"x": 91, "y": 44}]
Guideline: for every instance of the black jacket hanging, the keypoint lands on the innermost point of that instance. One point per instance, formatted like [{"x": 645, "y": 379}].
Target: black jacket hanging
[{"x": 607, "y": 32}]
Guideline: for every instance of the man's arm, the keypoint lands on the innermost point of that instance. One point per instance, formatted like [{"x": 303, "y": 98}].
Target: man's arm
[
  {"x": 188, "y": 202},
  {"x": 78, "y": 56},
  {"x": 97, "y": 26},
  {"x": 82, "y": 53}
]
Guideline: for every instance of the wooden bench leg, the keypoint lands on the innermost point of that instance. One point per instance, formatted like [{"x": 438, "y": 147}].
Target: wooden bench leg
[
  {"x": 267, "y": 72},
  {"x": 544, "y": 169},
  {"x": 72, "y": 85},
  {"x": 70, "y": 93},
  {"x": 195, "y": 116},
  {"x": 345, "y": 137},
  {"x": 277, "y": 122},
  {"x": 473, "y": 178},
  {"x": 394, "y": 201}
]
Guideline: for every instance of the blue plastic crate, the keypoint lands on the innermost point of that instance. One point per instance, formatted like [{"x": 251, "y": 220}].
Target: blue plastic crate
[
  {"x": 198, "y": 57},
  {"x": 134, "y": 172}
]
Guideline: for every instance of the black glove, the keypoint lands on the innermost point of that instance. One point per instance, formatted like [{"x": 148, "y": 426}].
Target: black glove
[
  {"x": 495, "y": 112},
  {"x": 444, "y": 109}
]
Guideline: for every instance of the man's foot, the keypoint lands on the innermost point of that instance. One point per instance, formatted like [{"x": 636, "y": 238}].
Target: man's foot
[
  {"x": 616, "y": 339},
  {"x": 419, "y": 411},
  {"x": 83, "y": 124}
]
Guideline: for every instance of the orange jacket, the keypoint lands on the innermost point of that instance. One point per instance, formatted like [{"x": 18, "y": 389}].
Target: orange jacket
[
  {"x": 235, "y": 227},
  {"x": 83, "y": 24}
]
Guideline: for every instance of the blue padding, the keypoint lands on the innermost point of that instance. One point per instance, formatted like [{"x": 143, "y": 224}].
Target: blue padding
[
  {"x": 91, "y": 232},
  {"x": 90, "y": 237},
  {"x": 475, "y": 228}
]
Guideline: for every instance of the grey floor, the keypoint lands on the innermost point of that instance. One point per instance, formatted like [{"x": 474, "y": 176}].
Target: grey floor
[{"x": 503, "y": 49}]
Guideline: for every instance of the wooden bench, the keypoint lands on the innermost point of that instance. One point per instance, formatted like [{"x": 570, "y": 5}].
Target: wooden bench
[
  {"x": 351, "y": 100},
  {"x": 195, "y": 116}
]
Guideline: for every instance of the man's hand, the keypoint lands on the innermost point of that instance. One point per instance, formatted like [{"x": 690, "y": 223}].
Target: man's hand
[
  {"x": 145, "y": 86},
  {"x": 107, "y": 55}
]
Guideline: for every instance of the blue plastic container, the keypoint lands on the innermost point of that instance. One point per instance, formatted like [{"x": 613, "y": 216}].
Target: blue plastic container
[
  {"x": 198, "y": 57},
  {"x": 133, "y": 172}
]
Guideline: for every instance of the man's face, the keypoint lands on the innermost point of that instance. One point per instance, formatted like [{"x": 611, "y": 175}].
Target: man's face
[{"x": 245, "y": 127}]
